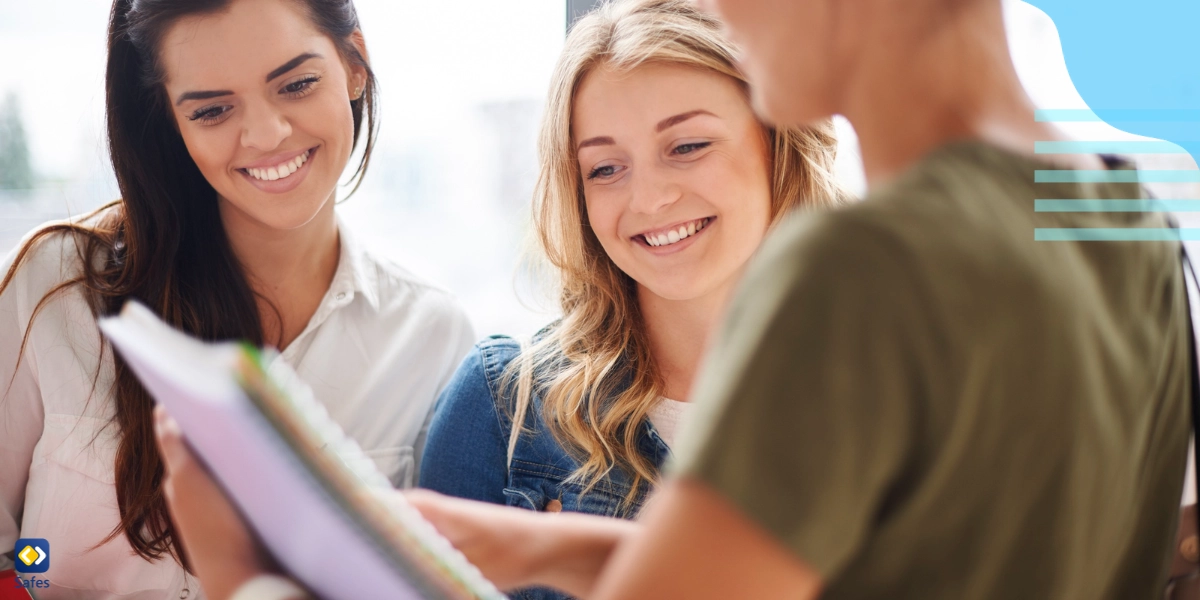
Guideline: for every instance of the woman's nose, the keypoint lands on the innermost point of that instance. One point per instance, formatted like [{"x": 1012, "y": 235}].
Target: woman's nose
[
  {"x": 652, "y": 192},
  {"x": 264, "y": 127}
]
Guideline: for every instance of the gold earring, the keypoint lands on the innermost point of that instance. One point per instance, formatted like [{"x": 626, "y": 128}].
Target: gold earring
[{"x": 358, "y": 92}]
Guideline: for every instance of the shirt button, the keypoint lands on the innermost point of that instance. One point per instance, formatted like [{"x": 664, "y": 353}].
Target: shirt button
[
  {"x": 184, "y": 594},
  {"x": 553, "y": 506},
  {"x": 341, "y": 295}
]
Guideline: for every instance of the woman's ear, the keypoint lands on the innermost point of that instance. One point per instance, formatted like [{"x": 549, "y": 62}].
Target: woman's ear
[{"x": 358, "y": 72}]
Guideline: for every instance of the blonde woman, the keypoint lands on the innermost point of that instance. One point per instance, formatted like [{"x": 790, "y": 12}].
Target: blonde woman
[{"x": 657, "y": 185}]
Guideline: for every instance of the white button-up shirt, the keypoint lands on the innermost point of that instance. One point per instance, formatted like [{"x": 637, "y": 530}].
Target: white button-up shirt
[{"x": 379, "y": 348}]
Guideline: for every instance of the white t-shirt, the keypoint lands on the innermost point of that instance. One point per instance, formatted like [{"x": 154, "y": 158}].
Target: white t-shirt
[
  {"x": 668, "y": 417},
  {"x": 376, "y": 353}
]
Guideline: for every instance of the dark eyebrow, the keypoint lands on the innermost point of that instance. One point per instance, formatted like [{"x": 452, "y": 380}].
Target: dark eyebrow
[
  {"x": 291, "y": 64},
  {"x": 201, "y": 96},
  {"x": 284, "y": 68},
  {"x": 677, "y": 119},
  {"x": 596, "y": 141}
]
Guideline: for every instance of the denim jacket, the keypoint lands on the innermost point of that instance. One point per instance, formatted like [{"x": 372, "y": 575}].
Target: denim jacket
[{"x": 466, "y": 451}]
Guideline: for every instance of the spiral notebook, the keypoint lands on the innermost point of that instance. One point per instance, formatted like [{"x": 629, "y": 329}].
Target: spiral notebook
[{"x": 315, "y": 500}]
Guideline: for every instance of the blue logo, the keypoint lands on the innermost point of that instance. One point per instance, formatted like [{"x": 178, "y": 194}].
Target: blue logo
[{"x": 32, "y": 555}]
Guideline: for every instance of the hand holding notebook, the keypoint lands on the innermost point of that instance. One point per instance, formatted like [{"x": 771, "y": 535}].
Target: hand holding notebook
[{"x": 302, "y": 485}]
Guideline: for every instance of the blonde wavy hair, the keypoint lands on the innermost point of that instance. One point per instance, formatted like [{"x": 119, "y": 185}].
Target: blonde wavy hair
[{"x": 598, "y": 378}]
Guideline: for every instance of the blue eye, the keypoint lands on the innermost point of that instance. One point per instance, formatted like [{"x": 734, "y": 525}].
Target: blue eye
[
  {"x": 690, "y": 148},
  {"x": 603, "y": 172}
]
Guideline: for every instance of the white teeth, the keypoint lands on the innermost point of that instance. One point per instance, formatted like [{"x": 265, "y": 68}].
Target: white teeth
[
  {"x": 675, "y": 235},
  {"x": 279, "y": 171}
]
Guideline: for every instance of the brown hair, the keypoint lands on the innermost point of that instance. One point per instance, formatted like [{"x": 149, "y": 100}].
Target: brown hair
[{"x": 163, "y": 242}]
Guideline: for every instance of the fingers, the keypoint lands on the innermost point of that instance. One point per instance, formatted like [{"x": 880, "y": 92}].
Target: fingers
[
  {"x": 181, "y": 472},
  {"x": 170, "y": 441},
  {"x": 443, "y": 510},
  {"x": 430, "y": 505},
  {"x": 423, "y": 500}
]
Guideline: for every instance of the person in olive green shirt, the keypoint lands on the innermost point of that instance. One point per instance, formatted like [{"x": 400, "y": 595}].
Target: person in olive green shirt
[
  {"x": 920, "y": 401},
  {"x": 911, "y": 398}
]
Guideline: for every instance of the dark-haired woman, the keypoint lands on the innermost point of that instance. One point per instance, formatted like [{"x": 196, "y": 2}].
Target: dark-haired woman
[{"x": 229, "y": 123}]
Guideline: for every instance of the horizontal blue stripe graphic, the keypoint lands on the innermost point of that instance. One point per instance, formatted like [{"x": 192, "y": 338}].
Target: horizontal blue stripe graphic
[
  {"x": 1065, "y": 115},
  {"x": 1112, "y": 147},
  {"x": 1100, "y": 234},
  {"x": 1119, "y": 176},
  {"x": 1086, "y": 115},
  {"x": 1108, "y": 205}
]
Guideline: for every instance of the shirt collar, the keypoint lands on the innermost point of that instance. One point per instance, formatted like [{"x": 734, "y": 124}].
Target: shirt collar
[{"x": 353, "y": 275}]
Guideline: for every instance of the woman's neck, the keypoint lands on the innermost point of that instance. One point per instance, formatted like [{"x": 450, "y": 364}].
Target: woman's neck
[
  {"x": 290, "y": 269},
  {"x": 679, "y": 332},
  {"x": 954, "y": 81}
]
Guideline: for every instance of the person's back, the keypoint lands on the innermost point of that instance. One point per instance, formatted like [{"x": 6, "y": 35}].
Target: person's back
[
  {"x": 1007, "y": 418},
  {"x": 1061, "y": 422}
]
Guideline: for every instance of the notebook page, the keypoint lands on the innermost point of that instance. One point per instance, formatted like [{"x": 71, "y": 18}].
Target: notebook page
[
  {"x": 397, "y": 529},
  {"x": 305, "y": 527}
]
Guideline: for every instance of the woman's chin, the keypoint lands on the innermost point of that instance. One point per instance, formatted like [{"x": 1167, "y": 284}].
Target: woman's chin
[
  {"x": 677, "y": 288},
  {"x": 278, "y": 214}
]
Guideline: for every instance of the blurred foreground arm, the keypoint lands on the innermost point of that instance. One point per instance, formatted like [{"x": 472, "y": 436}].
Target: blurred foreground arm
[
  {"x": 518, "y": 548},
  {"x": 689, "y": 543},
  {"x": 693, "y": 543}
]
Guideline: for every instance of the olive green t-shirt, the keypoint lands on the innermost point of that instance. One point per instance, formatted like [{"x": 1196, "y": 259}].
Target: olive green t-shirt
[{"x": 922, "y": 401}]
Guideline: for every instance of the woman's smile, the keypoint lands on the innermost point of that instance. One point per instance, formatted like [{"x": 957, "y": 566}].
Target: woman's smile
[
  {"x": 280, "y": 173},
  {"x": 673, "y": 239}
]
